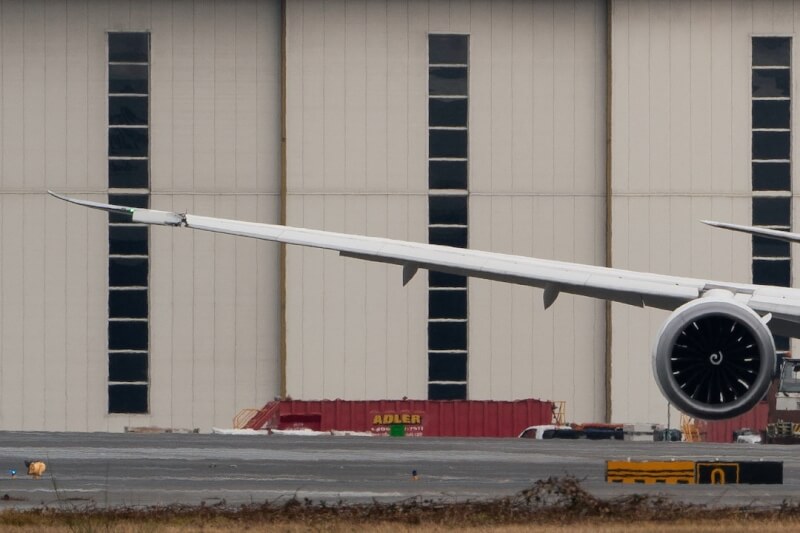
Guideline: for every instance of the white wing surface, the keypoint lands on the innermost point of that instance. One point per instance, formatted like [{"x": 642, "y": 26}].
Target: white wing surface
[{"x": 625, "y": 286}]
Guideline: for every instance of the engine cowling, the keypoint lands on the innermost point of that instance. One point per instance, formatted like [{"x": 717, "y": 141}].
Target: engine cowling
[{"x": 714, "y": 358}]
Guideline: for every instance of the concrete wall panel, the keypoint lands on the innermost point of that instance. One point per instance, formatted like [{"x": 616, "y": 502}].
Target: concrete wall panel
[
  {"x": 692, "y": 162},
  {"x": 215, "y": 138}
]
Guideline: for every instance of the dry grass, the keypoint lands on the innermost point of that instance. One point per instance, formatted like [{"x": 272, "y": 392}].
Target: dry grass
[{"x": 552, "y": 505}]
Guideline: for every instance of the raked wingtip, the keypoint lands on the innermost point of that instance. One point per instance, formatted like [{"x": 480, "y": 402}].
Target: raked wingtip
[{"x": 94, "y": 205}]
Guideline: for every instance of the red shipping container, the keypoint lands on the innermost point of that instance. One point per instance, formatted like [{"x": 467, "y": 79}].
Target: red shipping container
[
  {"x": 722, "y": 430},
  {"x": 432, "y": 418}
]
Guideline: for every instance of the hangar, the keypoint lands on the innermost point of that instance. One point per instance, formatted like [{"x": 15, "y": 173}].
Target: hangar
[{"x": 587, "y": 131}]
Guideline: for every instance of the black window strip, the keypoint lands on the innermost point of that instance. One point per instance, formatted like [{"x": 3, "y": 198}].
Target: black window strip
[
  {"x": 448, "y": 149},
  {"x": 771, "y": 154},
  {"x": 128, "y": 244}
]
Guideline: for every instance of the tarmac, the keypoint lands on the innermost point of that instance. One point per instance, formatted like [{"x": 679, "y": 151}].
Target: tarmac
[{"x": 125, "y": 469}]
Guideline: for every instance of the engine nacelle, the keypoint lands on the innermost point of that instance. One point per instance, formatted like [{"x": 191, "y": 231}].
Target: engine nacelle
[{"x": 714, "y": 358}]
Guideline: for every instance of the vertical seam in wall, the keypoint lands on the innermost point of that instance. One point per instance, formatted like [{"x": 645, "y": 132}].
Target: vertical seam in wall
[
  {"x": 283, "y": 216},
  {"x": 44, "y": 231},
  {"x": 344, "y": 307},
  {"x": 172, "y": 207},
  {"x": 386, "y": 199},
  {"x": 3, "y": 197},
  {"x": 609, "y": 257},
  {"x": 86, "y": 221},
  {"x": 194, "y": 200},
  {"x": 22, "y": 222},
  {"x": 254, "y": 393},
  {"x": 64, "y": 227},
  {"x": 235, "y": 199}
]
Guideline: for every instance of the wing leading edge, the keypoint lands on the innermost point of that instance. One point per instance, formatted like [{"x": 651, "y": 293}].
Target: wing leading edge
[{"x": 625, "y": 286}]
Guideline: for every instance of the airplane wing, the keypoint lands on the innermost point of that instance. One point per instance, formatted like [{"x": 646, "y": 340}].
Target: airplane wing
[
  {"x": 758, "y": 232},
  {"x": 713, "y": 358},
  {"x": 625, "y": 286}
]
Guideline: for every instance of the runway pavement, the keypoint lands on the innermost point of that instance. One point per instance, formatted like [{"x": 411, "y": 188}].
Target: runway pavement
[{"x": 157, "y": 469}]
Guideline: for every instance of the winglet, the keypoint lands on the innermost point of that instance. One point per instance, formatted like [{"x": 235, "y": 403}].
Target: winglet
[
  {"x": 95, "y": 205},
  {"x": 145, "y": 216}
]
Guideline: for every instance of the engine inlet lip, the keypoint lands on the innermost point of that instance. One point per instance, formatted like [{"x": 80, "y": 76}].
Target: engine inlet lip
[{"x": 677, "y": 323}]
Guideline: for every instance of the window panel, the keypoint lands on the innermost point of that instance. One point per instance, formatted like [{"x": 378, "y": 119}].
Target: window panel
[
  {"x": 127, "y": 366},
  {"x": 127, "y": 304},
  {"x": 447, "y": 209},
  {"x": 456, "y": 237},
  {"x": 448, "y": 115},
  {"x": 447, "y": 304},
  {"x": 130, "y": 200},
  {"x": 448, "y": 49},
  {"x": 127, "y": 272},
  {"x": 127, "y": 240},
  {"x": 447, "y": 367},
  {"x": 128, "y": 47},
  {"x": 771, "y": 51},
  {"x": 781, "y": 343},
  {"x": 128, "y": 310},
  {"x": 772, "y": 176},
  {"x": 128, "y": 174},
  {"x": 128, "y": 142},
  {"x": 771, "y": 113},
  {"x": 447, "y": 335},
  {"x": 447, "y": 81},
  {"x": 771, "y": 145},
  {"x": 128, "y": 79},
  {"x": 769, "y": 247},
  {"x": 447, "y": 112},
  {"x": 127, "y": 335},
  {"x": 440, "y": 279},
  {"x": 128, "y": 110},
  {"x": 447, "y": 174},
  {"x": 447, "y": 143},
  {"x": 772, "y": 272},
  {"x": 438, "y": 391},
  {"x": 771, "y": 83},
  {"x": 771, "y": 211},
  {"x": 127, "y": 399}
]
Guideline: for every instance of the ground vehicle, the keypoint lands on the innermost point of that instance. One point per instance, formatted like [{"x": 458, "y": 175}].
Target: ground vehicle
[{"x": 537, "y": 432}]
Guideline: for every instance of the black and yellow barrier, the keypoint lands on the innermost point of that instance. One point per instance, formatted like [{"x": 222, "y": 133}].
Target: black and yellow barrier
[
  {"x": 673, "y": 472},
  {"x": 695, "y": 472}
]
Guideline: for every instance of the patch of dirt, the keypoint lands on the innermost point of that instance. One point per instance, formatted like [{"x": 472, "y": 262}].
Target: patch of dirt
[{"x": 553, "y": 504}]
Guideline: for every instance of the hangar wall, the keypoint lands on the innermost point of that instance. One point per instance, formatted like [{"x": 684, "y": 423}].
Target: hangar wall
[
  {"x": 215, "y": 149},
  {"x": 356, "y": 156},
  {"x": 680, "y": 153},
  {"x": 356, "y": 92}
]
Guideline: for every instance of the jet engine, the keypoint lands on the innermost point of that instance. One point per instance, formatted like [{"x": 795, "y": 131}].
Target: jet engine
[{"x": 714, "y": 358}]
